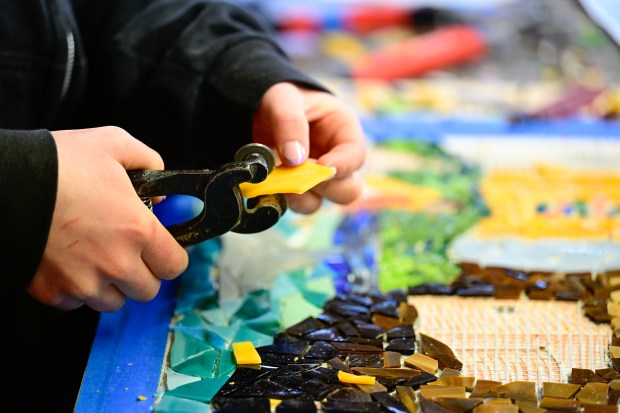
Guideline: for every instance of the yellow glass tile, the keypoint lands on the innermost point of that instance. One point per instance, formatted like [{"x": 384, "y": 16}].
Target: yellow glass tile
[
  {"x": 245, "y": 353},
  {"x": 288, "y": 180},
  {"x": 355, "y": 379}
]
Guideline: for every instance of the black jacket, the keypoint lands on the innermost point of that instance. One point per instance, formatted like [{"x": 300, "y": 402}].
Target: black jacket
[{"x": 183, "y": 76}]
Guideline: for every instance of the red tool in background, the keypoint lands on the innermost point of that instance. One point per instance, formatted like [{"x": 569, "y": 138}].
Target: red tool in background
[{"x": 441, "y": 48}]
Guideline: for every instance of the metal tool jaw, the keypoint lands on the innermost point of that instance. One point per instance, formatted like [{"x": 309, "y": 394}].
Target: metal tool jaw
[{"x": 224, "y": 208}]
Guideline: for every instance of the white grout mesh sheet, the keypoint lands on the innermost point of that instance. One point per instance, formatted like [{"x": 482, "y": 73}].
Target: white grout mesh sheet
[{"x": 514, "y": 340}]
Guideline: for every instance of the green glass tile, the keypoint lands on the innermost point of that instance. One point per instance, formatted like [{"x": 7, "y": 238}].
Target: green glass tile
[
  {"x": 190, "y": 319},
  {"x": 227, "y": 363},
  {"x": 268, "y": 323},
  {"x": 221, "y": 337},
  {"x": 257, "y": 339},
  {"x": 202, "y": 390},
  {"x": 294, "y": 308},
  {"x": 215, "y": 316},
  {"x": 203, "y": 365},
  {"x": 175, "y": 379},
  {"x": 254, "y": 304},
  {"x": 173, "y": 404},
  {"x": 185, "y": 347}
]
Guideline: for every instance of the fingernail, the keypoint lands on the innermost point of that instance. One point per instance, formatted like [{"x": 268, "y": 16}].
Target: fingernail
[
  {"x": 294, "y": 153},
  {"x": 334, "y": 172}
]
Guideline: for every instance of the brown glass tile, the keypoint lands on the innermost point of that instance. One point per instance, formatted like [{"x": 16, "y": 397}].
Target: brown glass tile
[
  {"x": 448, "y": 372},
  {"x": 429, "y": 406},
  {"x": 583, "y": 376},
  {"x": 422, "y": 362},
  {"x": 407, "y": 396},
  {"x": 564, "y": 405},
  {"x": 440, "y": 352},
  {"x": 593, "y": 393},
  {"x": 463, "y": 381},
  {"x": 391, "y": 359},
  {"x": 385, "y": 322},
  {"x": 355, "y": 348},
  {"x": 485, "y": 388},
  {"x": 385, "y": 372},
  {"x": 597, "y": 408},
  {"x": 407, "y": 313},
  {"x": 491, "y": 407},
  {"x": 431, "y": 391},
  {"x": 518, "y": 390},
  {"x": 560, "y": 390},
  {"x": 608, "y": 374},
  {"x": 529, "y": 406},
  {"x": 613, "y": 392},
  {"x": 458, "y": 404},
  {"x": 371, "y": 388}
]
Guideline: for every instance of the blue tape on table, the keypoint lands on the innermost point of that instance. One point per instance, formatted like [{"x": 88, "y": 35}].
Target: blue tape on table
[{"x": 127, "y": 356}]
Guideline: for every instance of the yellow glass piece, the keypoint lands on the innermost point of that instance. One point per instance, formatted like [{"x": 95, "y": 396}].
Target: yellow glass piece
[
  {"x": 355, "y": 379},
  {"x": 274, "y": 402},
  {"x": 245, "y": 353},
  {"x": 288, "y": 180}
]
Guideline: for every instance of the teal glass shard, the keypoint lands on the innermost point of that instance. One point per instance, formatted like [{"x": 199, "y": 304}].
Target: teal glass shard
[
  {"x": 227, "y": 363},
  {"x": 185, "y": 347},
  {"x": 172, "y": 404},
  {"x": 202, "y": 390}
]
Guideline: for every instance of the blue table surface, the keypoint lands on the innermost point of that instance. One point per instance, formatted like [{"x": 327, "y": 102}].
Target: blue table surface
[{"x": 128, "y": 353}]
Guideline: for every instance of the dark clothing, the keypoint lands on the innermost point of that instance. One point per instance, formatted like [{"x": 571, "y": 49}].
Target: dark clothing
[{"x": 183, "y": 76}]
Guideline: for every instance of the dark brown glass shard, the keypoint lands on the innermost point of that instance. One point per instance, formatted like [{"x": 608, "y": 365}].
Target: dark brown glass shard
[
  {"x": 419, "y": 380},
  {"x": 431, "y": 289},
  {"x": 463, "y": 381},
  {"x": 383, "y": 372},
  {"x": 266, "y": 388},
  {"x": 305, "y": 326},
  {"x": 349, "y": 394},
  {"x": 387, "y": 308},
  {"x": 350, "y": 407},
  {"x": 322, "y": 350},
  {"x": 338, "y": 364},
  {"x": 365, "y": 360},
  {"x": 324, "y": 334},
  {"x": 459, "y": 405},
  {"x": 608, "y": 374},
  {"x": 378, "y": 342},
  {"x": 275, "y": 359},
  {"x": 613, "y": 394},
  {"x": 440, "y": 352},
  {"x": 356, "y": 348},
  {"x": 400, "y": 332},
  {"x": 226, "y": 404},
  {"x": 391, "y": 382},
  {"x": 404, "y": 346},
  {"x": 389, "y": 403},
  {"x": 476, "y": 290},
  {"x": 369, "y": 330},
  {"x": 323, "y": 374},
  {"x": 583, "y": 376},
  {"x": 297, "y": 348},
  {"x": 448, "y": 372},
  {"x": 244, "y": 376},
  {"x": 347, "y": 329},
  {"x": 345, "y": 309},
  {"x": 296, "y": 406},
  {"x": 329, "y": 318},
  {"x": 297, "y": 382}
]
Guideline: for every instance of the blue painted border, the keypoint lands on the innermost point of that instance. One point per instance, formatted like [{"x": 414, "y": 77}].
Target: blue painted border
[{"x": 127, "y": 356}]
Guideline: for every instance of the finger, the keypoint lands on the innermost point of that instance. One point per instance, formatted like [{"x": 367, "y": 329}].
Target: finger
[
  {"x": 108, "y": 299},
  {"x": 283, "y": 110},
  {"x": 346, "y": 157},
  {"x": 130, "y": 152},
  {"x": 163, "y": 255},
  {"x": 68, "y": 303},
  {"x": 306, "y": 203},
  {"x": 341, "y": 191}
]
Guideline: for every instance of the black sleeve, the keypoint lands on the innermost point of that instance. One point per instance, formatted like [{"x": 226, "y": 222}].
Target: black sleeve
[
  {"x": 184, "y": 76},
  {"x": 28, "y": 182}
]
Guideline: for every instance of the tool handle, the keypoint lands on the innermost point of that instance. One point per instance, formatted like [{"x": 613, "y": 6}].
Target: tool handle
[{"x": 438, "y": 49}]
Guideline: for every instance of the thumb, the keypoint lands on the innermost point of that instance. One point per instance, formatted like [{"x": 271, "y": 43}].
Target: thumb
[{"x": 283, "y": 110}]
